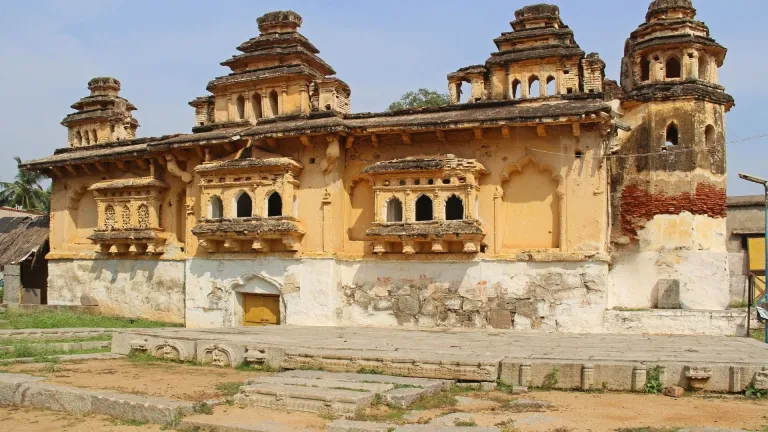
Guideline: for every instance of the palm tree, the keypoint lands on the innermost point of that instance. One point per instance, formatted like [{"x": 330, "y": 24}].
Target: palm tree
[{"x": 26, "y": 191}]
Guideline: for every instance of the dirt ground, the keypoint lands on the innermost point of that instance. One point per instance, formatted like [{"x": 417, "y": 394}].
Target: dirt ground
[
  {"x": 28, "y": 420},
  {"x": 569, "y": 411},
  {"x": 170, "y": 380}
]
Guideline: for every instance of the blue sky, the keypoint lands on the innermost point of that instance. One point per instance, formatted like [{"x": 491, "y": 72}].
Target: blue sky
[{"x": 165, "y": 52}]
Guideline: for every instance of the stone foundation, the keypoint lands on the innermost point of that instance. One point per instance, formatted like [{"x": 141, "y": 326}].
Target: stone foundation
[{"x": 149, "y": 289}]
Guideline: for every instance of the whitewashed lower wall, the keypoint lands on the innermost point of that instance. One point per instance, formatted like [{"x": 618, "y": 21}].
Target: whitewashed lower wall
[{"x": 152, "y": 290}]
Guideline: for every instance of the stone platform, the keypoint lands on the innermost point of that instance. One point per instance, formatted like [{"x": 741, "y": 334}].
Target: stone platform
[{"x": 611, "y": 362}]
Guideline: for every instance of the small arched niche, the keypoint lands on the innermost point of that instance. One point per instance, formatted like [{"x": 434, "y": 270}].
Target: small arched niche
[
  {"x": 424, "y": 209},
  {"x": 454, "y": 208},
  {"x": 244, "y": 205},
  {"x": 551, "y": 86},
  {"x": 273, "y": 103},
  {"x": 240, "y": 107},
  {"x": 274, "y": 205},
  {"x": 673, "y": 68},
  {"x": 256, "y": 106},
  {"x": 216, "y": 208},
  {"x": 672, "y": 135},
  {"x": 645, "y": 69},
  {"x": 394, "y": 210},
  {"x": 709, "y": 136}
]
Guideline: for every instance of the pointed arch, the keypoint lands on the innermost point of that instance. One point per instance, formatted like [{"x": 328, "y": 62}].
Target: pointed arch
[
  {"x": 672, "y": 134},
  {"x": 240, "y": 107},
  {"x": 424, "y": 209},
  {"x": 517, "y": 88},
  {"x": 673, "y": 67},
  {"x": 244, "y": 205},
  {"x": 110, "y": 219},
  {"x": 143, "y": 216},
  {"x": 710, "y": 136},
  {"x": 394, "y": 210},
  {"x": 454, "y": 208},
  {"x": 79, "y": 138},
  {"x": 256, "y": 106},
  {"x": 551, "y": 86},
  {"x": 534, "y": 86},
  {"x": 274, "y": 105},
  {"x": 274, "y": 205},
  {"x": 645, "y": 69},
  {"x": 125, "y": 217},
  {"x": 216, "y": 208}
]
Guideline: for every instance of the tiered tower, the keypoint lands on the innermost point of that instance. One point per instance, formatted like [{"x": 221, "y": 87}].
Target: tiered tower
[
  {"x": 669, "y": 183},
  {"x": 540, "y": 58},
  {"x": 102, "y": 117},
  {"x": 277, "y": 74}
]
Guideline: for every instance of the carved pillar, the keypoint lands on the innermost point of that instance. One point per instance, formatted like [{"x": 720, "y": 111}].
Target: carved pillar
[
  {"x": 283, "y": 97},
  {"x": 304, "y": 99},
  {"x": 454, "y": 91},
  {"x": 497, "y": 203}
]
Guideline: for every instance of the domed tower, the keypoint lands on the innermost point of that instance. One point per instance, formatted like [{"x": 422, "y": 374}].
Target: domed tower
[
  {"x": 102, "y": 117},
  {"x": 669, "y": 173}
]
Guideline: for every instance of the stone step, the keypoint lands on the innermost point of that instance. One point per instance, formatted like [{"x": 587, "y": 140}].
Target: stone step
[
  {"x": 298, "y": 398},
  {"x": 223, "y": 425},
  {"x": 356, "y": 426},
  {"x": 324, "y": 383},
  {"x": 425, "y": 383}
]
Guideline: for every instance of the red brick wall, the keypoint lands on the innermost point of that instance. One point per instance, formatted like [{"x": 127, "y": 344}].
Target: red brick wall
[{"x": 638, "y": 206}]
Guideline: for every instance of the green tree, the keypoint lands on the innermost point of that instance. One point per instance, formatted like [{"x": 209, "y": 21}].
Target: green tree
[
  {"x": 419, "y": 99},
  {"x": 26, "y": 191}
]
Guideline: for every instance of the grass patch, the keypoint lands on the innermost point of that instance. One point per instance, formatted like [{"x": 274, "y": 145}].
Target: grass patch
[
  {"x": 647, "y": 429},
  {"x": 758, "y": 334},
  {"x": 203, "y": 408},
  {"x": 387, "y": 415},
  {"x": 24, "y": 349},
  {"x": 653, "y": 384},
  {"x": 551, "y": 379},
  {"x": 247, "y": 367},
  {"x": 327, "y": 415},
  {"x": 435, "y": 401},
  {"x": 755, "y": 393},
  {"x": 465, "y": 423},
  {"x": 53, "y": 339},
  {"x": 229, "y": 389},
  {"x": 121, "y": 422},
  {"x": 16, "y": 319}
]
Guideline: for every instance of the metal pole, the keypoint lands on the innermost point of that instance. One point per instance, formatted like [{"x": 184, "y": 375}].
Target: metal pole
[{"x": 765, "y": 249}]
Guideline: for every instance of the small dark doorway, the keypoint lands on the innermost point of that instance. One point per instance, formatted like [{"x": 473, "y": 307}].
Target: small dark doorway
[
  {"x": 424, "y": 209},
  {"x": 673, "y": 136},
  {"x": 673, "y": 68},
  {"x": 244, "y": 206},
  {"x": 454, "y": 208},
  {"x": 274, "y": 205}
]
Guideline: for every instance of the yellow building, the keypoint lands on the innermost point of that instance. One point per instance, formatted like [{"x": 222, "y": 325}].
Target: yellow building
[{"x": 527, "y": 207}]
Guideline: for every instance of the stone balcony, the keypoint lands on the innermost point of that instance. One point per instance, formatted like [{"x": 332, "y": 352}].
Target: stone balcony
[
  {"x": 125, "y": 241},
  {"x": 457, "y": 236},
  {"x": 256, "y": 234}
]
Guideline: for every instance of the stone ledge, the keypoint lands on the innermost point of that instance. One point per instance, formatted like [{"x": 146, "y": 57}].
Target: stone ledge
[
  {"x": 56, "y": 333},
  {"x": 65, "y": 358},
  {"x": 24, "y": 390},
  {"x": 682, "y": 321}
]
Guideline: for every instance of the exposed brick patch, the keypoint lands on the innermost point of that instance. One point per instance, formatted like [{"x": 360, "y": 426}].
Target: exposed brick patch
[{"x": 638, "y": 206}]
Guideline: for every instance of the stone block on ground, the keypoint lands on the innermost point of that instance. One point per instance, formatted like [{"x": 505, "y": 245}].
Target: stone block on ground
[
  {"x": 221, "y": 425},
  {"x": 10, "y": 385},
  {"x": 298, "y": 398},
  {"x": 668, "y": 293},
  {"x": 370, "y": 378},
  {"x": 358, "y": 426},
  {"x": 440, "y": 428},
  {"x": 454, "y": 419},
  {"x": 674, "y": 392}
]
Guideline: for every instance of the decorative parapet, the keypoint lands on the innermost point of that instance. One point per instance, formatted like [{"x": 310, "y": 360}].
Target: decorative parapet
[{"x": 249, "y": 234}]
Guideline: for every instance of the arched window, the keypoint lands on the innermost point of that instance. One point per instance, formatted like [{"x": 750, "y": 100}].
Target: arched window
[
  {"x": 256, "y": 106},
  {"x": 274, "y": 205},
  {"x": 244, "y": 206},
  {"x": 517, "y": 88},
  {"x": 87, "y": 137},
  {"x": 709, "y": 135},
  {"x": 551, "y": 86},
  {"x": 424, "y": 210},
  {"x": 672, "y": 134},
  {"x": 95, "y": 136},
  {"x": 217, "y": 208},
  {"x": 143, "y": 216},
  {"x": 394, "y": 210},
  {"x": 703, "y": 68},
  {"x": 79, "y": 138},
  {"x": 109, "y": 218},
  {"x": 125, "y": 217},
  {"x": 673, "y": 68},
  {"x": 273, "y": 105},
  {"x": 454, "y": 208},
  {"x": 645, "y": 69},
  {"x": 240, "y": 107},
  {"x": 534, "y": 87}
]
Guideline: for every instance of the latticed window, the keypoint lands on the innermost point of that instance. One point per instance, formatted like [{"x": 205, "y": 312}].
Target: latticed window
[
  {"x": 109, "y": 218},
  {"x": 126, "y": 217},
  {"x": 143, "y": 217}
]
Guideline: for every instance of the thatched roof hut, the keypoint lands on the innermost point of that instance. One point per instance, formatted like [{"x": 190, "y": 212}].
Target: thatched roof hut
[{"x": 22, "y": 238}]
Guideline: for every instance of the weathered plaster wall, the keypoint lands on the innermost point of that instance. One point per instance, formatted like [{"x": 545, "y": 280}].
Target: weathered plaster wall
[
  {"x": 149, "y": 289},
  {"x": 12, "y": 287},
  {"x": 554, "y": 296}
]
